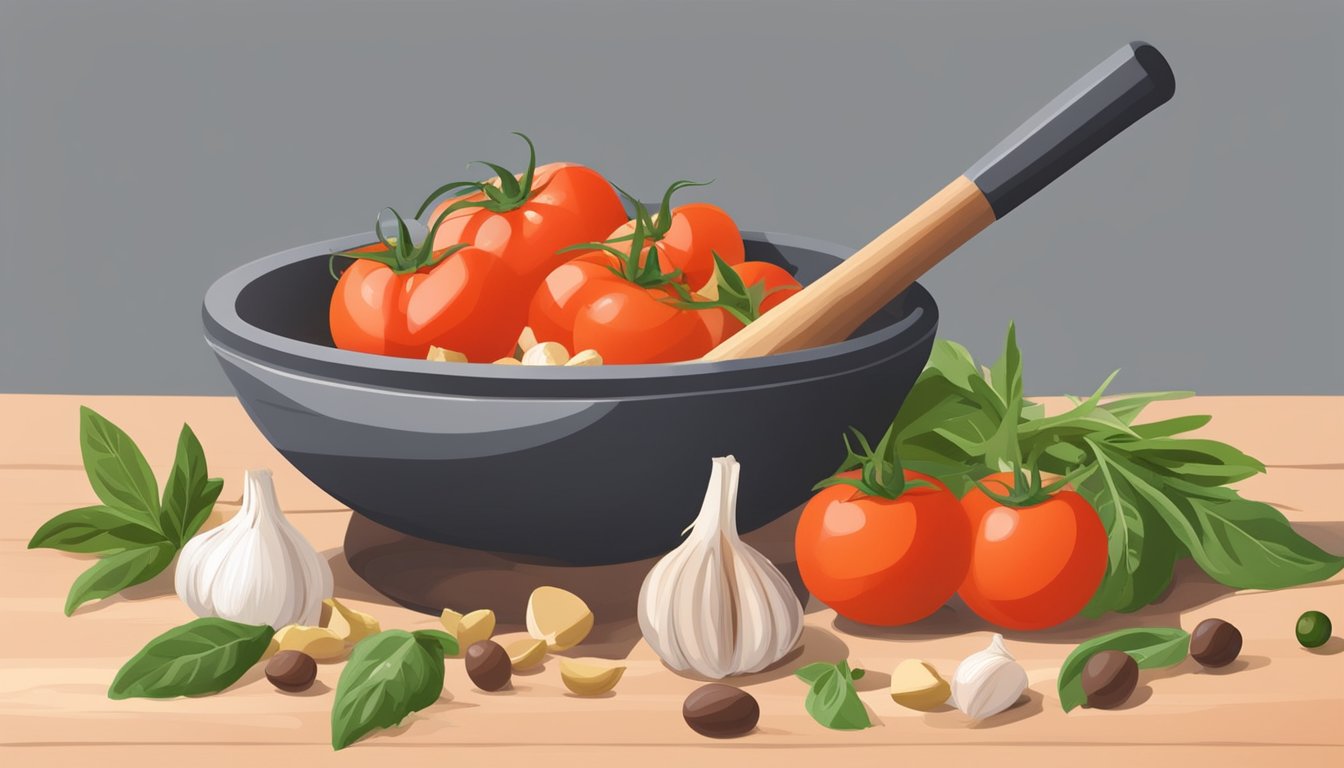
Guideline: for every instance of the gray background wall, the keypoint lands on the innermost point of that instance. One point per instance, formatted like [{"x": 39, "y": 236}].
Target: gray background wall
[{"x": 148, "y": 146}]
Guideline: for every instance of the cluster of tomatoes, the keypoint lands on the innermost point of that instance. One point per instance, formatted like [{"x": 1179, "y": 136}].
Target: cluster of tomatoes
[
  {"x": 886, "y": 546},
  {"x": 553, "y": 249}
]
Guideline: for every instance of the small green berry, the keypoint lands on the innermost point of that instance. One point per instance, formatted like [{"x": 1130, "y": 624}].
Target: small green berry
[{"x": 1313, "y": 629}]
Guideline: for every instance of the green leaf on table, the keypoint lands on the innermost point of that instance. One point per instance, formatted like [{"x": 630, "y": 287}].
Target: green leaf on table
[
  {"x": 1126, "y": 408},
  {"x": 203, "y": 656},
  {"x": 116, "y": 468},
  {"x": 832, "y": 700},
  {"x": 446, "y": 641},
  {"x": 117, "y": 571},
  {"x": 389, "y": 676},
  {"x": 189, "y": 494},
  {"x": 94, "y": 529},
  {"x": 1151, "y": 648}
]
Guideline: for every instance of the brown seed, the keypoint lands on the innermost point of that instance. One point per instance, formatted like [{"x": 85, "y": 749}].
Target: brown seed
[
  {"x": 291, "y": 671},
  {"x": 720, "y": 711},
  {"x": 1109, "y": 678},
  {"x": 1215, "y": 643},
  {"x": 488, "y": 665}
]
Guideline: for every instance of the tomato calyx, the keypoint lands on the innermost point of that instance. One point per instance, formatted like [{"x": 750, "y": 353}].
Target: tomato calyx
[
  {"x": 656, "y": 229},
  {"x": 401, "y": 253},
  {"x": 1028, "y": 489},
  {"x": 511, "y": 192},
  {"x": 738, "y": 299},
  {"x": 881, "y": 472},
  {"x": 634, "y": 265}
]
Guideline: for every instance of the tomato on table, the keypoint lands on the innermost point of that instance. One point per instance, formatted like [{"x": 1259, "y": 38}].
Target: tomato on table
[
  {"x": 1037, "y": 555},
  {"x": 880, "y": 544},
  {"x": 398, "y": 299},
  {"x": 688, "y": 237},
  {"x": 528, "y": 218}
]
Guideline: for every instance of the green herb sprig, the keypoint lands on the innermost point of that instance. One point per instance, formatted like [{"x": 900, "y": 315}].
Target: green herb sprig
[
  {"x": 832, "y": 699},
  {"x": 389, "y": 676},
  {"x": 1161, "y": 497},
  {"x": 136, "y": 533},
  {"x": 203, "y": 656}
]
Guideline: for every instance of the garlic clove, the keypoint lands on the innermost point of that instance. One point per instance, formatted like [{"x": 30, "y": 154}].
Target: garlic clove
[
  {"x": 475, "y": 627},
  {"x": 714, "y": 605},
  {"x": 917, "y": 685},
  {"x": 320, "y": 643},
  {"x": 349, "y": 624},
  {"x": 525, "y": 653},
  {"x": 989, "y": 681},
  {"x": 558, "y": 617},
  {"x": 256, "y": 568},
  {"x": 590, "y": 678}
]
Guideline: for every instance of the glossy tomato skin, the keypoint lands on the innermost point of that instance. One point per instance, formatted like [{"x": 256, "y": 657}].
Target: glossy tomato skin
[
  {"x": 1034, "y": 567},
  {"x": 881, "y": 561},
  {"x": 569, "y": 288},
  {"x": 630, "y": 325},
  {"x": 469, "y": 303},
  {"x": 697, "y": 232},
  {"x": 570, "y": 204},
  {"x": 779, "y": 284}
]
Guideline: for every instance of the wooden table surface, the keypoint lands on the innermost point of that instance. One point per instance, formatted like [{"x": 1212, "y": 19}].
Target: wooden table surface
[{"x": 1277, "y": 702}]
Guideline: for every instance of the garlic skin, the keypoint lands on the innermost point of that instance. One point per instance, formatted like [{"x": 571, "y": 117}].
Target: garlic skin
[
  {"x": 988, "y": 682},
  {"x": 714, "y": 605},
  {"x": 256, "y": 568}
]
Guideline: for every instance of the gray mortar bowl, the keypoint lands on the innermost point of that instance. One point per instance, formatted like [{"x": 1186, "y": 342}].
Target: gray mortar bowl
[{"x": 568, "y": 466}]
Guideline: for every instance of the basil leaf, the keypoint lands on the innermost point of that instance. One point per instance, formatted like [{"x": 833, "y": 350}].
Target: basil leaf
[
  {"x": 1151, "y": 648},
  {"x": 189, "y": 495},
  {"x": 1128, "y": 407},
  {"x": 203, "y": 656},
  {"x": 389, "y": 675},
  {"x": 117, "y": 470},
  {"x": 832, "y": 700},
  {"x": 94, "y": 529},
  {"x": 117, "y": 571},
  {"x": 446, "y": 641}
]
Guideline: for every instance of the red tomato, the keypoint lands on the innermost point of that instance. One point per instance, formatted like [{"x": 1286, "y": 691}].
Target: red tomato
[
  {"x": 688, "y": 241},
  {"x": 567, "y": 289},
  {"x": 883, "y": 561},
  {"x": 779, "y": 284},
  {"x": 568, "y": 204},
  {"x": 469, "y": 302},
  {"x": 1032, "y": 567},
  {"x": 629, "y": 324}
]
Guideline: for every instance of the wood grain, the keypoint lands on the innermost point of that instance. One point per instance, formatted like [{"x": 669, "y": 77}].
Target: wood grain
[
  {"x": 839, "y": 301},
  {"x": 1278, "y": 702}
]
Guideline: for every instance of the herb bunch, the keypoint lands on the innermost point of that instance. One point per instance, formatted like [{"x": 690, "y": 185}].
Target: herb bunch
[{"x": 1162, "y": 497}]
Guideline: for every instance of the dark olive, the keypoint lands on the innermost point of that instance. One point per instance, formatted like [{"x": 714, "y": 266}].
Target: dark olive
[
  {"x": 488, "y": 665},
  {"x": 720, "y": 711},
  {"x": 1109, "y": 678},
  {"x": 291, "y": 671},
  {"x": 1215, "y": 643}
]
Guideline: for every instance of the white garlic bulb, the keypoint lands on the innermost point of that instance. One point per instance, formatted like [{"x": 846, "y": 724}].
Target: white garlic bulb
[
  {"x": 256, "y": 568},
  {"x": 715, "y": 605},
  {"x": 988, "y": 682}
]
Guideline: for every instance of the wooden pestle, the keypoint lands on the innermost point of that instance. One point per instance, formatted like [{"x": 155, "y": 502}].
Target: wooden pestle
[{"x": 1126, "y": 86}]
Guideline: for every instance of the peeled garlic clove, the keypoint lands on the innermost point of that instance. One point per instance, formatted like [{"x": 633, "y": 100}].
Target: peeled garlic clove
[
  {"x": 508, "y": 361},
  {"x": 715, "y": 605},
  {"x": 441, "y": 355},
  {"x": 525, "y": 653},
  {"x": 475, "y": 627},
  {"x": 588, "y": 678},
  {"x": 349, "y": 624},
  {"x": 917, "y": 685},
  {"x": 320, "y": 643},
  {"x": 988, "y": 682},
  {"x": 527, "y": 339},
  {"x": 546, "y": 353},
  {"x": 558, "y": 617},
  {"x": 256, "y": 568},
  {"x": 585, "y": 357}
]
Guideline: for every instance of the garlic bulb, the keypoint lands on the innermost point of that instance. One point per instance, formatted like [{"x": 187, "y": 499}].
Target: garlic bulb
[
  {"x": 988, "y": 682},
  {"x": 715, "y": 605},
  {"x": 256, "y": 568}
]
